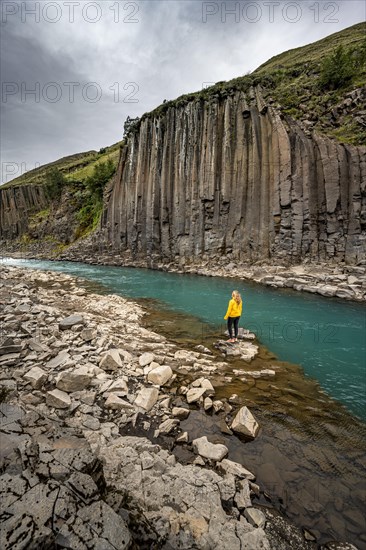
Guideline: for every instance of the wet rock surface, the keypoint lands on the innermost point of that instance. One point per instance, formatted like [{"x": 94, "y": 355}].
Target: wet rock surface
[{"x": 70, "y": 474}]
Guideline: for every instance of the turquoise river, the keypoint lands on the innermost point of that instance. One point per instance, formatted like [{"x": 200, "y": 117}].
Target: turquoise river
[{"x": 327, "y": 337}]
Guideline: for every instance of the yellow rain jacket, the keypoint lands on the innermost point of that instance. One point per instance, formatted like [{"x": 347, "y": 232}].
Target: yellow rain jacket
[{"x": 234, "y": 309}]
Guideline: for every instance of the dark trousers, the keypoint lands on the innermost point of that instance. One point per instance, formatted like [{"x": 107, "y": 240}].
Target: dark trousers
[{"x": 230, "y": 322}]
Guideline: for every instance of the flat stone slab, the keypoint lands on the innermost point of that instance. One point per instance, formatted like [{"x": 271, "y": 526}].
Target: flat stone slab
[{"x": 70, "y": 321}]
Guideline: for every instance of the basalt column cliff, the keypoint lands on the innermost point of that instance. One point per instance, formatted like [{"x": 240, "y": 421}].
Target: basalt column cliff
[
  {"x": 234, "y": 177},
  {"x": 16, "y": 205}
]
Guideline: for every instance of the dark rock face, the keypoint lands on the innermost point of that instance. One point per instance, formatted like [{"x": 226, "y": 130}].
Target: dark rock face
[
  {"x": 17, "y": 204},
  {"x": 235, "y": 177}
]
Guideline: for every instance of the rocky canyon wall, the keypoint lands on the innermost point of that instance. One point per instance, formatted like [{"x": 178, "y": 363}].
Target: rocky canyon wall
[
  {"x": 17, "y": 204},
  {"x": 234, "y": 177}
]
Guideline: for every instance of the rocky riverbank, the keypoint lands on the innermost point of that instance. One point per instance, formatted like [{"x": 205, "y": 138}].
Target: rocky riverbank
[{"x": 78, "y": 373}]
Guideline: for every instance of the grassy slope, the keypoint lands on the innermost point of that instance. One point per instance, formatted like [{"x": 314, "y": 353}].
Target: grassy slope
[{"x": 74, "y": 167}]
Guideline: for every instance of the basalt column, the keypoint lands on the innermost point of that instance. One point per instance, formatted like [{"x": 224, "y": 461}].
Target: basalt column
[{"x": 231, "y": 176}]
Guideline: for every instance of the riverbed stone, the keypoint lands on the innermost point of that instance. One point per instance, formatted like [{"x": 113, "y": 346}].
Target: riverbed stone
[
  {"x": 111, "y": 361},
  {"x": 180, "y": 412},
  {"x": 207, "y": 404},
  {"x": 213, "y": 451},
  {"x": 194, "y": 394},
  {"x": 146, "y": 398},
  {"x": 58, "y": 399},
  {"x": 242, "y": 497},
  {"x": 168, "y": 425},
  {"x": 244, "y": 423},
  {"x": 235, "y": 468},
  {"x": 116, "y": 403},
  {"x": 75, "y": 380},
  {"x": 160, "y": 375},
  {"x": 255, "y": 517},
  {"x": 146, "y": 358},
  {"x": 62, "y": 359},
  {"x": 71, "y": 321},
  {"x": 36, "y": 376}
]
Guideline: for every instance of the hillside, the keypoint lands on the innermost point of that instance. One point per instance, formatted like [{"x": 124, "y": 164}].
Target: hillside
[{"x": 73, "y": 167}]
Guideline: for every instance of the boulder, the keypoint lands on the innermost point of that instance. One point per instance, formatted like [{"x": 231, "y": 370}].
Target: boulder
[
  {"x": 58, "y": 399},
  {"x": 37, "y": 377},
  {"x": 244, "y": 423},
  {"x": 76, "y": 380},
  {"x": 209, "y": 450},
  {"x": 146, "y": 398},
  {"x": 111, "y": 361},
  {"x": 160, "y": 375}
]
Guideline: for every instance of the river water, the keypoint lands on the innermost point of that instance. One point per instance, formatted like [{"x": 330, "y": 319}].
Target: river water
[{"x": 310, "y": 454}]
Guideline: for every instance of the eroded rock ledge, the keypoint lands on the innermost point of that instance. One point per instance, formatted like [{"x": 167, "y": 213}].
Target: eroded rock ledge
[{"x": 76, "y": 369}]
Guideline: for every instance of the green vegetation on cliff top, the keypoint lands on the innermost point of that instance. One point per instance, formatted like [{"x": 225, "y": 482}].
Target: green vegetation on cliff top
[
  {"x": 74, "y": 167},
  {"x": 305, "y": 83}
]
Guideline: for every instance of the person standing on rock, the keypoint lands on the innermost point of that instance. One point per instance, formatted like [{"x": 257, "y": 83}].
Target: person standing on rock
[{"x": 233, "y": 315}]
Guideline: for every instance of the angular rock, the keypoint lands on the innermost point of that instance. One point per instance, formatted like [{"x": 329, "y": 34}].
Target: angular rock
[
  {"x": 244, "y": 423},
  {"x": 146, "y": 358},
  {"x": 60, "y": 360},
  {"x": 58, "y": 399},
  {"x": 88, "y": 334},
  {"x": 229, "y": 467},
  {"x": 119, "y": 385},
  {"x": 242, "y": 497},
  {"x": 168, "y": 425},
  {"x": 160, "y": 375},
  {"x": 70, "y": 321},
  {"x": 217, "y": 406},
  {"x": 76, "y": 380},
  {"x": 37, "y": 377},
  {"x": 180, "y": 412},
  {"x": 116, "y": 403},
  {"x": 194, "y": 394},
  {"x": 255, "y": 517},
  {"x": 207, "y": 404},
  {"x": 208, "y": 386},
  {"x": 111, "y": 361},
  {"x": 146, "y": 398},
  {"x": 35, "y": 345},
  {"x": 209, "y": 450},
  {"x": 182, "y": 438}
]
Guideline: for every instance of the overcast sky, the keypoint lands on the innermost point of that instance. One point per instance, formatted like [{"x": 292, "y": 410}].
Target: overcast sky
[{"x": 72, "y": 71}]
